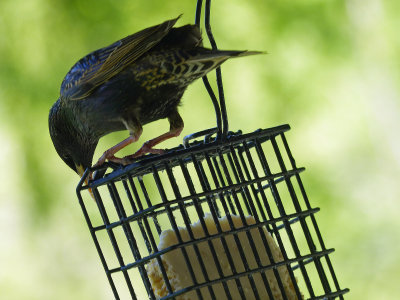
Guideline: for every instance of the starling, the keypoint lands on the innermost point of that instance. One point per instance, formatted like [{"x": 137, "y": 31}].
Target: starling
[{"x": 134, "y": 81}]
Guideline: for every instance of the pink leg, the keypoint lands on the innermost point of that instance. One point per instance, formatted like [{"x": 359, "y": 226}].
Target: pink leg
[
  {"x": 148, "y": 146},
  {"x": 109, "y": 154},
  {"x": 176, "y": 127}
]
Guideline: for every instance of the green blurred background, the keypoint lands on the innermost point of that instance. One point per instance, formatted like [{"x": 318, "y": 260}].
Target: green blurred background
[{"x": 332, "y": 73}]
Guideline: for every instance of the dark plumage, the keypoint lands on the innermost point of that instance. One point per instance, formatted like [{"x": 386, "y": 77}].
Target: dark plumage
[{"x": 134, "y": 81}]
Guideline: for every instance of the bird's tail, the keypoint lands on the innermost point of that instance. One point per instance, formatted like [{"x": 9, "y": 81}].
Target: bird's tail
[
  {"x": 206, "y": 60},
  {"x": 190, "y": 65},
  {"x": 221, "y": 55}
]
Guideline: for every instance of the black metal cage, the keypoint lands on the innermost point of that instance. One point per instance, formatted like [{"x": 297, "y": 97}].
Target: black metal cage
[
  {"x": 253, "y": 174},
  {"x": 235, "y": 206}
]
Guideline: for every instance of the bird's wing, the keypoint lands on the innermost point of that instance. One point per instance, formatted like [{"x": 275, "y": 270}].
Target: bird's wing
[{"x": 101, "y": 65}]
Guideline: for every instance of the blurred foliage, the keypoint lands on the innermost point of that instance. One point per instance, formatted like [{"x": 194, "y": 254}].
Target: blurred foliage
[{"x": 332, "y": 73}]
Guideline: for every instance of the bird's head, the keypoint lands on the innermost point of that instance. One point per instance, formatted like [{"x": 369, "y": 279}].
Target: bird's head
[{"x": 72, "y": 145}]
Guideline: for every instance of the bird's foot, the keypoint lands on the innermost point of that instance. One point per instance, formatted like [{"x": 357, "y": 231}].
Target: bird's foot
[
  {"x": 109, "y": 154},
  {"x": 117, "y": 160},
  {"x": 109, "y": 157},
  {"x": 106, "y": 155},
  {"x": 146, "y": 148}
]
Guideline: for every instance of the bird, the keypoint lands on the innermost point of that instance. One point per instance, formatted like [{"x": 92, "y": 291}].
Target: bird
[{"x": 132, "y": 82}]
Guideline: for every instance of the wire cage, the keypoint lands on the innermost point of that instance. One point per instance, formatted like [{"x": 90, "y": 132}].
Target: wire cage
[
  {"x": 247, "y": 175},
  {"x": 224, "y": 217}
]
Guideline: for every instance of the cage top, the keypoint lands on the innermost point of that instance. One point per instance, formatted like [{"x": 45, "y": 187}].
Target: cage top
[{"x": 144, "y": 164}]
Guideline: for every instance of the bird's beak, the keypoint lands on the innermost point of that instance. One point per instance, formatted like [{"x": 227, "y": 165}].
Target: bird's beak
[{"x": 81, "y": 171}]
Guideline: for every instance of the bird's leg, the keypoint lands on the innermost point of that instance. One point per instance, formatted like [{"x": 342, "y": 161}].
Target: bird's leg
[
  {"x": 109, "y": 154},
  {"x": 148, "y": 146},
  {"x": 176, "y": 127}
]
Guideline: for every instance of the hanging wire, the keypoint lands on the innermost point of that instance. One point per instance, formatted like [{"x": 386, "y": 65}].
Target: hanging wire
[{"x": 220, "y": 108}]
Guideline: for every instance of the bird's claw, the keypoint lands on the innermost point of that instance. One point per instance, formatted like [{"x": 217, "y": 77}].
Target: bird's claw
[
  {"x": 101, "y": 160},
  {"x": 142, "y": 151},
  {"x": 146, "y": 148},
  {"x": 107, "y": 155}
]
